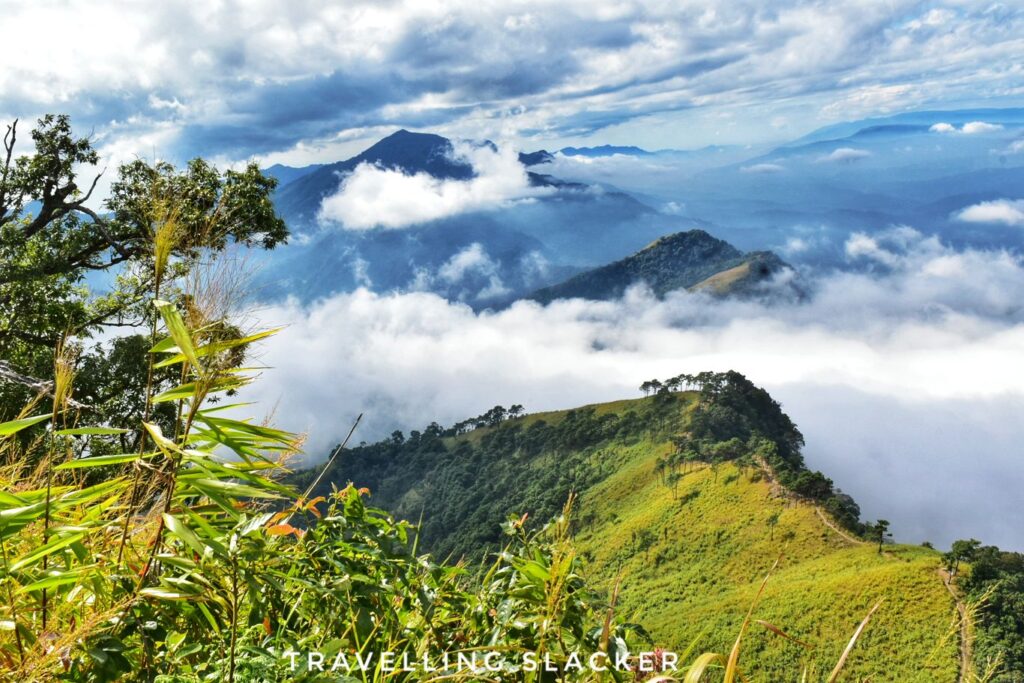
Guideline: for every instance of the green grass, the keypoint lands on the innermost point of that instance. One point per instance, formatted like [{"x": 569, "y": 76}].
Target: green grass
[
  {"x": 708, "y": 543},
  {"x": 712, "y": 547}
]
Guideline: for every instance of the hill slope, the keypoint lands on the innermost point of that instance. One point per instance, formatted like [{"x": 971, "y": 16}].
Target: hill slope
[
  {"x": 679, "y": 496},
  {"x": 684, "y": 260}
]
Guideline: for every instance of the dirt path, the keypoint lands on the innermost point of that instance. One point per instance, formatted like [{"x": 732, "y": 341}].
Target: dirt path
[
  {"x": 961, "y": 607},
  {"x": 834, "y": 527},
  {"x": 966, "y": 654}
]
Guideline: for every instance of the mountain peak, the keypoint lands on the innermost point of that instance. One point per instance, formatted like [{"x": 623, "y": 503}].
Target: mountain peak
[{"x": 693, "y": 260}]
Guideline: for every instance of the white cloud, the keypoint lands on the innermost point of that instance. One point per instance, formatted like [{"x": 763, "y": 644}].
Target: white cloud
[
  {"x": 980, "y": 127},
  {"x": 472, "y": 258},
  {"x": 940, "y": 327},
  {"x": 860, "y": 245},
  {"x": 1005, "y": 211},
  {"x": 482, "y": 69},
  {"x": 372, "y": 197},
  {"x": 970, "y": 128},
  {"x": 475, "y": 265},
  {"x": 763, "y": 168},
  {"x": 844, "y": 155}
]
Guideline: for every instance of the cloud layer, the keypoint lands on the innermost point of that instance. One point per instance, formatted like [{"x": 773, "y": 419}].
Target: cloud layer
[
  {"x": 868, "y": 368},
  {"x": 375, "y": 197},
  {"x": 234, "y": 79}
]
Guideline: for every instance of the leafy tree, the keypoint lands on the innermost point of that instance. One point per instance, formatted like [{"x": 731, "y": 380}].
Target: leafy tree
[
  {"x": 961, "y": 551},
  {"x": 51, "y": 237},
  {"x": 772, "y": 522},
  {"x": 879, "y": 531}
]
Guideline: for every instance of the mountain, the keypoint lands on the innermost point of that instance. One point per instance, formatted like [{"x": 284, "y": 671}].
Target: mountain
[
  {"x": 298, "y": 201},
  {"x": 685, "y": 501},
  {"x": 685, "y": 260},
  {"x": 1010, "y": 117},
  {"x": 481, "y": 258},
  {"x": 286, "y": 174},
  {"x": 605, "y": 151},
  {"x": 541, "y": 156}
]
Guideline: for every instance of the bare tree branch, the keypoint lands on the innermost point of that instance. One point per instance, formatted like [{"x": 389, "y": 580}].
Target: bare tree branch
[{"x": 12, "y": 376}]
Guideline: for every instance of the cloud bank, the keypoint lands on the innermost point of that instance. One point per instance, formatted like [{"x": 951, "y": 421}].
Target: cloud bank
[
  {"x": 1005, "y": 211},
  {"x": 234, "y": 80},
  {"x": 844, "y": 155},
  {"x": 375, "y": 197},
  {"x": 969, "y": 128},
  {"x": 872, "y": 369}
]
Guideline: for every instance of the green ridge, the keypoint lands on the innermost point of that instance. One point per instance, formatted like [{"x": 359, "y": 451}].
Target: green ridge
[{"x": 691, "y": 554}]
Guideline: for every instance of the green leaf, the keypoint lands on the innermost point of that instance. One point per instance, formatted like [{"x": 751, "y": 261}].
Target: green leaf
[
  {"x": 216, "y": 347},
  {"x": 179, "y": 332},
  {"x": 163, "y": 443},
  {"x": 91, "y": 431},
  {"x": 189, "y": 537},
  {"x": 55, "y": 578},
  {"x": 101, "y": 460},
  {"x": 166, "y": 594},
  {"x": 46, "y": 550},
  {"x": 232, "y": 488},
  {"x": 15, "y": 426}
]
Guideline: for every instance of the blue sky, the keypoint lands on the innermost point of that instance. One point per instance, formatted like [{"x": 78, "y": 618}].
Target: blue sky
[{"x": 309, "y": 81}]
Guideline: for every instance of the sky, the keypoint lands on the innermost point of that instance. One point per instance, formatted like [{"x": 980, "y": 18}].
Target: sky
[{"x": 308, "y": 81}]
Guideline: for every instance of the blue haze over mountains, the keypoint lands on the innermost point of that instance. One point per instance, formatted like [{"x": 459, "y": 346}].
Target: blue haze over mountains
[{"x": 801, "y": 199}]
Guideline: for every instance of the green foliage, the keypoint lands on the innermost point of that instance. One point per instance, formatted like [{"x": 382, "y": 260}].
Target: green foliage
[
  {"x": 996, "y": 581},
  {"x": 50, "y": 238},
  {"x": 211, "y": 585},
  {"x": 680, "y": 504},
  {"x": 465, "y": 486}
]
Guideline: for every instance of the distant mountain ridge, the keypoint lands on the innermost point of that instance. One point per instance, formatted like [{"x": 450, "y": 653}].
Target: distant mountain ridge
[{"x": 686, "y": 260}]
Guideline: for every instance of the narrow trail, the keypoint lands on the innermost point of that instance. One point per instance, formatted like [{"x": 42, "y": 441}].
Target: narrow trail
[
  {"x": 966, "y": 654},
  {"x": 961, "y": 607},
  {"x": 834, "y": 527}
]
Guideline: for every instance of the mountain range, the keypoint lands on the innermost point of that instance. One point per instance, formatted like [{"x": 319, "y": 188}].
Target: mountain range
[{"x": 802, "y": 199}]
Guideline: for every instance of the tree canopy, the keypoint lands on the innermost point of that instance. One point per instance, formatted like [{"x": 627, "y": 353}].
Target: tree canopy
[{"x": 54, "y": 233}]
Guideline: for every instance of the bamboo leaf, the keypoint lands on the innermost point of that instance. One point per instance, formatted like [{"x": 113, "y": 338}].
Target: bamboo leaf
[
  {"x": 102, "y": 460},
  {"x": 166, "y": 594},
  {"x": 45, "y": 551},
  {"x": 15, "y": 426},
  {"x": 179, "y": 332},
  {"x": 91, "y": 431},
  {"x": 701, "y": 665},
  {"x": 56, "y": 578},
  {"x": 232, "y": 488},
  {"x": 853, "y": 641},
  {"x": 214, "y": 347},
  {"x": 181, "y": 530}
]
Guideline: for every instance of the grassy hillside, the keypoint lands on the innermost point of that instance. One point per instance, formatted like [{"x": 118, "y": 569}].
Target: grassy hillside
[
  {"x": 691, "y": 538},
  {"x": 710, "y": 546}
]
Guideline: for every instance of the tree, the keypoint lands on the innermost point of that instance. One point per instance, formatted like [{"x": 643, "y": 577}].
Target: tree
[
  {"x": 879, "y": 531},
  {"x": 772, "y": 522},
  {"x": 51, "y": 237},
  {"x": 961, "y": 551},
  {"x": 673, "y": 481}
]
